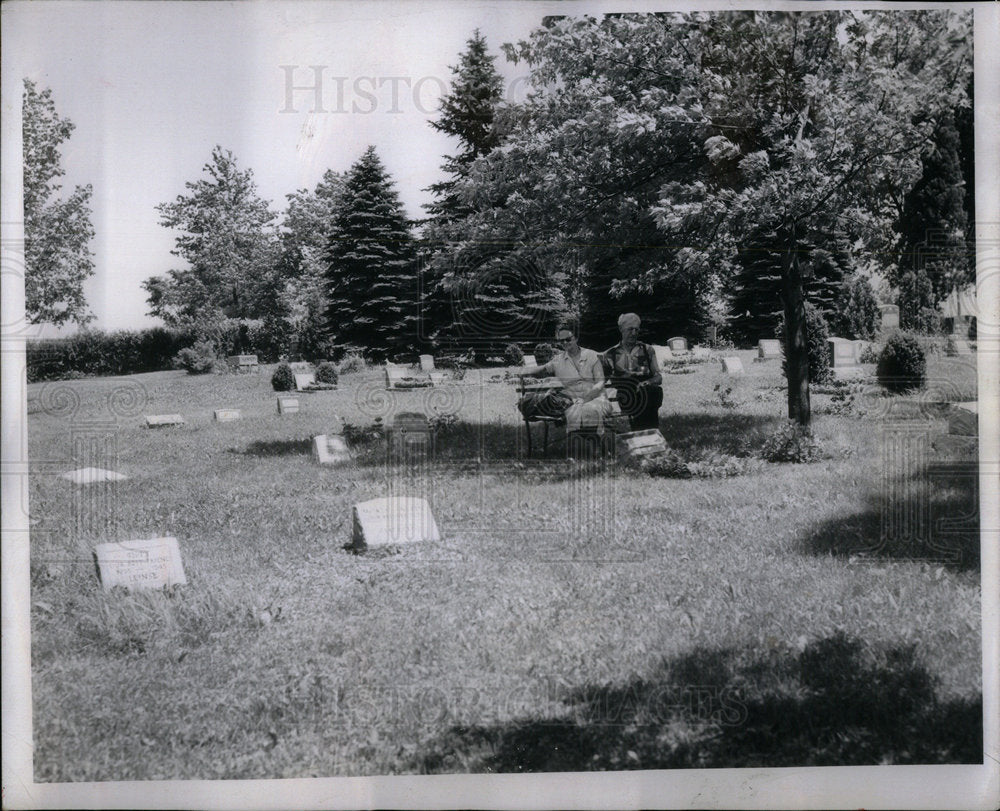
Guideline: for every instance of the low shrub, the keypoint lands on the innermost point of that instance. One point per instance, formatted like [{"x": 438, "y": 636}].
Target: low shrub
[
  {"x": 512, "y": 355},
  {"x": 869, "y": 354},
  {"x": 199, "y": 359},
  {"x": 352, "y": 362},
  {"x": 283, "y": 379},
  {"x": 544, "y": 353},
  {"x": 902, "y": 366},
  {"x": 791, "y": 443},
  {"x": 668, "y": 465},
  {"x": 856, "y": 313},
  {"x": 326, "y": 372}
]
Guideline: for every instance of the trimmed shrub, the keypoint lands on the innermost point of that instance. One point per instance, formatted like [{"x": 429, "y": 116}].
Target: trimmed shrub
[
  {"x": 856, "y": 314},
  {"x": 512, "y": 355},
  {"x": 817, "y": 334},
  {"x": 326, "y": 372},
  {"x": 199, "y": 359},
  {"x": 283, "y": 379},
  {"x": 544, "y": 353},
  {"x": 902, "y": 366},
  {"x": 352, "y": 362}
]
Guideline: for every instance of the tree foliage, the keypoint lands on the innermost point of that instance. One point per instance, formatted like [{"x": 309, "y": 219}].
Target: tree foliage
[
  {"x": 371, "y": 265},
  {"x": 57, "y": 230},
  {"x": 229, "y": 243}
]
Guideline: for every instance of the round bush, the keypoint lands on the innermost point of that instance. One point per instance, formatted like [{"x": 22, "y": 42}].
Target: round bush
[
  {"x": 352, "y": 362},
  {"x": 902, "y": 366},
  {"x": 326, "y": 372},
  {"x": 856, "y": 312},
  {"x": 544, "y": 353},
  {"x": 199, "y": 359},
  {"x": 817, "y": 334},
  {"x": 512, "y": 355},
  {"x": 283, "y": 379}
]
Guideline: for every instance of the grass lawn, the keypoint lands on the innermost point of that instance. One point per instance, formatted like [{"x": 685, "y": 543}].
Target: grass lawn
[{"x": 573, "y": 616}]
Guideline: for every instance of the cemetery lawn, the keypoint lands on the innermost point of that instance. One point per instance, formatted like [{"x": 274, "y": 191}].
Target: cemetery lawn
[{"x": 745, "y": 620}]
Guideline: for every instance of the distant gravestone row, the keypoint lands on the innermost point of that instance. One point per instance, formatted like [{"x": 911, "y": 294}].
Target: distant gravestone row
[{"x": 243, "y": 364}]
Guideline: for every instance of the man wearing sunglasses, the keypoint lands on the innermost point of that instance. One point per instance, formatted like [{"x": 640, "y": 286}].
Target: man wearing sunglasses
[{"x": 582, "y": 376}]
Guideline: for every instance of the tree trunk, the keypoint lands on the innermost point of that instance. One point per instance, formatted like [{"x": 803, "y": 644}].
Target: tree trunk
[{"x": 796, "y": 346}]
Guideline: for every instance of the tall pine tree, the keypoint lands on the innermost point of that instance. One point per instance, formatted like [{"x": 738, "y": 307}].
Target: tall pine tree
[{"x": 371, "y": 266}]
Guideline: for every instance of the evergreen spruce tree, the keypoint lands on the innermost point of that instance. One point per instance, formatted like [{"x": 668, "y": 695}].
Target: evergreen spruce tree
[{"x": 371, "y": 265}]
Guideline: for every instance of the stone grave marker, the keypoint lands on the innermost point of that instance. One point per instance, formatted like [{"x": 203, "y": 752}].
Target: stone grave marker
[
  {"x": 94, "y": 475},
  {"x": 678, "y": 344},
  {"x": 768, "y": 349},
  {"x": 242, "y": 363},
  {"x": 964, "y": 419},
  {"x": 393, "y": 520},
  {"x": 427, "y": 363},
  {"x": 663, "y": 355},
  {"x": 843, "y": 352},
  {"x": 637, "y": 444},
  {"x": 410, "y": 434},
  {"x": 732, "y": 365},
  {"x": 148, "y": 564},
  {"x": 227, "y": 414},
  {"x": 331, "y": 449},
  {"x": 890, "y": 316},
  {"x": 402, "y": 377},
  {"x": 303, "y": 380},
  {"x": 288, "y": 405},
  {"x": 163, "y": 420},
  {"x": 529, "y": 360}
]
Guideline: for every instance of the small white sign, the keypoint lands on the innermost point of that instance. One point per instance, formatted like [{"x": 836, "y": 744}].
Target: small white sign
[{"x": 148, "y": 564}]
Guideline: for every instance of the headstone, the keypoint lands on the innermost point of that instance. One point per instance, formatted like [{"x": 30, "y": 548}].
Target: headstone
[
  {"x": 964, "y": 419},
  {"x": 163, "y": 420},
  {"x": 843, "y": 352},
  {"x": 288, "y": 405},
  {"x": 402, "y": 377},
  {"x": 663, "y": 355},
  {"x": 242, "y": 363},
  {"x": 712, "y": 334},
  {"x": 304, "y": 380},
  {"x": 529, "y": 360},
  {"x": 148, "y": 564},
  {"x": 732, "y": 366},
  {"x": 636, "y": 444},
  {"x": 93, "y": 475},
  {"x": 768, "y": 348},
  {"x": 890, "y": 316},
  {"x": 227, "y": 414},
  {"x": 427, "y": 363},
  {"x": 393, "y": 520},
  {"x": 410, "y": 434},
  {"x": 678, "y": 344},
  {"x": 331, "y": 449}
]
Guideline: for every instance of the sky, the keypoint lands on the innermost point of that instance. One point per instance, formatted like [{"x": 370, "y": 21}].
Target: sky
[{"x": 153, "y": 87}]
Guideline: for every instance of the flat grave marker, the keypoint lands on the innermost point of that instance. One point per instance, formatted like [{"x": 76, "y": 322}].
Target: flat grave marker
[
  {"x": 228, "y": 414},
  {"x": 393, "y": 520},
  {"x": 93, "y": 475},
  {"x": 331, "y": 449},
  {"x": 163, "y": 420},
  {"x": 732, "y": 365},
  {"x": 678, "y": 344},
  {"x": 288, "y": 405},
  {"x": 303, "y": 380},
  {"x": 146, "y": 564},
  {"x": 964, "y": 419},
  {"x": 637, "y": 444}
]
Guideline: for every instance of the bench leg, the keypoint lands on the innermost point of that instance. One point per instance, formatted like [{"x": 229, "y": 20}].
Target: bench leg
[
  {"x": 545, "y": 440},
  {"x": 527, "y": 430}
]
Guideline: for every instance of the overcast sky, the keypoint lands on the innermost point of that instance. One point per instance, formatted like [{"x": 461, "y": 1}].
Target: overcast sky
[{"x": 152, "y": 87}]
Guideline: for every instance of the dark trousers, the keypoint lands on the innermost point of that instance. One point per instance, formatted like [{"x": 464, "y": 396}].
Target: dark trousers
[{"x": 641, "y": 404}]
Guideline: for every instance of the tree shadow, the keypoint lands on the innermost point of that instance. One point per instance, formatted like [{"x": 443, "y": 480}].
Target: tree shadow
[
  {"x": 276, "y": 447},
  {"x": 930, "y": 516},
  {"x": 838, "y": 702},
  {"x": 699, "y": 433}
]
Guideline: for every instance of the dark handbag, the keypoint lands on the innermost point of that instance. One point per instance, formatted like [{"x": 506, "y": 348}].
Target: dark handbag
[{"x": 550, "y": 404}]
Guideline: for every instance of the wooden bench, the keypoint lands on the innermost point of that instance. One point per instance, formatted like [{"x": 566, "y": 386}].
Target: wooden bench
[{"x": 616, "y": 421}]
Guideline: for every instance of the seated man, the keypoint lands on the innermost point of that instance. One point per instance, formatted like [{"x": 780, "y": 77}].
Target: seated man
[
  {"x": 582, "y": 375},
  {"x": 635, "y": 374}
]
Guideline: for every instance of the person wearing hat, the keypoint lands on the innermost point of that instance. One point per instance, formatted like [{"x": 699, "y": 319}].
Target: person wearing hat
[{"x": 635, "y": 374}]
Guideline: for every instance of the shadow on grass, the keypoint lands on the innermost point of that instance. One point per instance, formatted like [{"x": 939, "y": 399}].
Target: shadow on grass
[
  {"x": 932, "y": 516},
  {"x": 698, "y": 433},
  {"x": 835, "y": 703},
  {"x": 277, "y": 447}
]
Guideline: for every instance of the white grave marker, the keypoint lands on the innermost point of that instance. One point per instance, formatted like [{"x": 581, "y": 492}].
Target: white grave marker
[
  {"x": 304, "y": 380},
  {"x": 427, "y": 363},
  {"x": 242, "y": 363},
  {"x": 678, "y": 344},
  {"x": 288, "y": 405},
  {"x": 148, "y": 564},
  {"x": 732, "y": 366},
  {"x": 964, "y": 419},
  {"x": 393, "y": 520},
  {"x": 93, "y": 475},
  {"x": 331, "y": 449},
  {"x": 227, "y": 414},
  {"x": 529, "y": 360},
  {"x": 637, "y": 444},
  {"x": 843, "y": 352},
  {"x": 768, "y": 348},
  {"x": 163, "y": 420}
]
